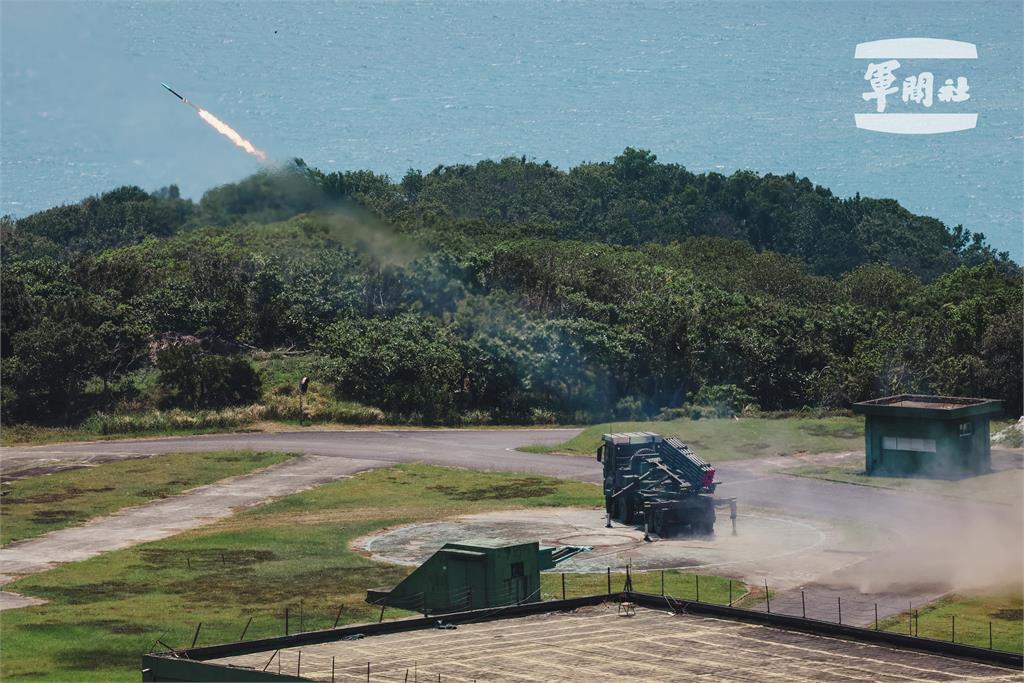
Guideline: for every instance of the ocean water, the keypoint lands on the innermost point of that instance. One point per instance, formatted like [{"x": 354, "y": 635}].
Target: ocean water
[{"x": 769, "y": 86}]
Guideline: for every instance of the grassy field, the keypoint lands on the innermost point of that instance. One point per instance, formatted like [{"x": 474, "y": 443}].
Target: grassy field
[
  {"x": 33, "y": 435},
  {"x": 106, "y": 611},
  {"x": 677, "y": 584},
  {"x": 292, "y": 553},
  {"x": 35, "y": 505},
  {"x": 1002, "y": 487},
  {"x": 728, "y": 439},
  {"x": 973, "y": 614}
]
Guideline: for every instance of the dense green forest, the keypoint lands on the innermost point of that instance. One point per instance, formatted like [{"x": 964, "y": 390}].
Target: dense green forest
[{"x": 508, "y": 291}]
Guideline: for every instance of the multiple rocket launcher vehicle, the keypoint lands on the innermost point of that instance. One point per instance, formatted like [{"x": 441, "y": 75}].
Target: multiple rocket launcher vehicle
[{"x": 660, "y": 482}]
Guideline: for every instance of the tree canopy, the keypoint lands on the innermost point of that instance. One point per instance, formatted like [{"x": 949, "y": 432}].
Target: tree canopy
[{"x": 509, "y": 289}]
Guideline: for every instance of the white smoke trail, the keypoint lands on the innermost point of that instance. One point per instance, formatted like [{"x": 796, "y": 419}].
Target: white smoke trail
[{"x": 231, "y": 134}]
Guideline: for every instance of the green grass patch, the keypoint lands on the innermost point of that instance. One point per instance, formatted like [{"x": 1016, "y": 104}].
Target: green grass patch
[
  {"x": 719, "y": 440},
  {"x": 973, "y": 613},
  {"x": 1000, "y": 487},
  {"x": 150, "y": 423},
  {"x": 37, "y": 504},
  {"x": 677, "y": 584}
]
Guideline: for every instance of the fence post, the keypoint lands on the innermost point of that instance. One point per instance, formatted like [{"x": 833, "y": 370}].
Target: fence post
[
  {"x": 917, "y": 622},
  {"x": 367, "y": 672},
  {"x": 876, "y": 616},
  {"x": 244, "y": 630},
  {"x": 298, "y": 666},
  {"x": 730, "y": 592},
  {"x": 839, "y": 603},
  {"x": 563, "y": 585},
  {"x": 990, "y": 635},
  {"x": 767, "y": 600},
  {"x": 696, "y": 580},
  {"x": 952, "y": 633},
  {"x": 662, "y": 583},
  {"x": 332, "y": 669},
  {"x": 609, "y": 580},
  {"x": 803, "y": 604}
]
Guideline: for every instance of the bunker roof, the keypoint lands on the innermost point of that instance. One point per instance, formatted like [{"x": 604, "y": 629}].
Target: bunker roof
[
  {"x": 935, "y": 407},
  {"x": 571, "y": 640}
]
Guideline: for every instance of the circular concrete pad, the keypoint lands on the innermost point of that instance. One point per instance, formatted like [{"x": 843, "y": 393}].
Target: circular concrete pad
[{"x": 762, "y": 542}]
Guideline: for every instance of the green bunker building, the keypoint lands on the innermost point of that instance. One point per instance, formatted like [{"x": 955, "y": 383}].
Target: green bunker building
[
  {"x": 473, "y": 574},
  {"x": 943, "y": 437}
]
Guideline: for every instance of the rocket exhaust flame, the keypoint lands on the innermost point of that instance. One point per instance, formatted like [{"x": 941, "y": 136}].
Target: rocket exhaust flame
[
  {"x": 231, "y": 134},
  {"x": 222, "y": 128}
]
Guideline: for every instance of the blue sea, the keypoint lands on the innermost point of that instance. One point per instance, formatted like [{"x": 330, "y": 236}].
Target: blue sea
[{"x": 769, "y": 86}]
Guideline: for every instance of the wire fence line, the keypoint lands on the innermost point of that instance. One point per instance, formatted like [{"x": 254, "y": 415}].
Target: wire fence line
[{"x": 915, "y": 620}]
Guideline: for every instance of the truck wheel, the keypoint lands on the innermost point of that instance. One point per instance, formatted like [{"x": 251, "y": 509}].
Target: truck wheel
[
  {"x": 707, "y": 523},
  {"x": 622, "y": 511},
  {"x": 627, "y": 513}
]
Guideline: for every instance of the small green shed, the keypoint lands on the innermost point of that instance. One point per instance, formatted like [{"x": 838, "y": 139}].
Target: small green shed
[
  {"x": 945, "y": 437},
  {"x": 471, "y": 575}
]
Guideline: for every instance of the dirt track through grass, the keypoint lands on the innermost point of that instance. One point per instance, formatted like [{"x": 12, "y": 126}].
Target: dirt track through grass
[
  {"x": 35, "y": 505},
  {"x": 168, "y": 516}
]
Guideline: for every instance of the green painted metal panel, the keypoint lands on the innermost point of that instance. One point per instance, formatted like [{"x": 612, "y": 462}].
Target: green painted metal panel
[{"x": 470, "y": 575}]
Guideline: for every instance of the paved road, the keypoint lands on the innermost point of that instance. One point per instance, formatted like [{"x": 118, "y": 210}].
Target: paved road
[
  {"x": 985, "y": 538},
  {"x": 483, "y": 449}
]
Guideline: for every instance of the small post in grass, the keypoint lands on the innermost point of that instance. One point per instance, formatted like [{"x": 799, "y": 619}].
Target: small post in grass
[
  {"x": 696, "y": 581},
  {"x": 876, "y": 616},
  {"x": 563, "y": 585},
  {"x": 242, "y": 637},
  {"x": 303, "y": 387},
  {"x": 839, "y": 604},
  {"x": 803, "y": 604},
  {"x": 286, "y": 621},
  {"x": 381, "y": 614},
  {"x": 609, "y": 580},
  {"x": 195, "y": 638},
  {"x": 338, "y": 618},
  {"x": 990, "y": 635},
  {"x": 730, "y": 592},
  {"x": 767, "y": 600},
  {"x": 662, "y": 583},
  {"x": 952, "y": 627}
]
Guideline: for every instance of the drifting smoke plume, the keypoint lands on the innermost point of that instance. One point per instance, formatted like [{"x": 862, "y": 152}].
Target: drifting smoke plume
[{"x": 231, "y": 134}]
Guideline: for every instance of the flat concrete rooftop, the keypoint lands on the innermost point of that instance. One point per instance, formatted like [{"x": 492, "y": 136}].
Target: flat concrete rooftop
[{"x": 596, "y": 643}]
